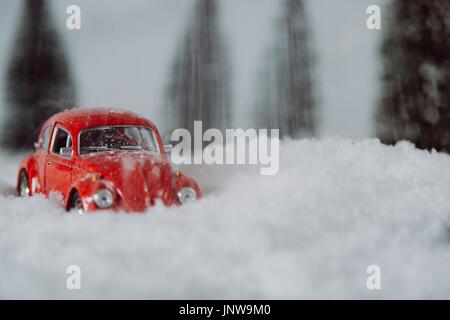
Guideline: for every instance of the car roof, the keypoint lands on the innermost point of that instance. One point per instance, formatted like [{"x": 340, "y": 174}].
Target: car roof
[{"x": 81, "y": 118}]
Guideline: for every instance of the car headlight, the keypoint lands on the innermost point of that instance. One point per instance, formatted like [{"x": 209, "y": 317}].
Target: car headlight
[
  {"x": 103, "y": 199},
  {"x": 186, "y": 194}
]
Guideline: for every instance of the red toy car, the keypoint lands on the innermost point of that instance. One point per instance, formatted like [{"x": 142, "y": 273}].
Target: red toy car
[{"x": 103, "y": 159}]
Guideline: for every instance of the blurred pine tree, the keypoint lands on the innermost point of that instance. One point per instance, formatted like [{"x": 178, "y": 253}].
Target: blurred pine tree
[
  {"x": 38, "y": 83},
  {"x": 415, "y": 103},
  {"x": 199, "y": 84},
  {"x": 286, "y": 100}
]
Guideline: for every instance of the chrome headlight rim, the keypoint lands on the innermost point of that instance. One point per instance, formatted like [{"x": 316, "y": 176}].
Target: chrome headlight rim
[
  {"x": 103, "y": 199},
  {"x": 186, "y": 194}
]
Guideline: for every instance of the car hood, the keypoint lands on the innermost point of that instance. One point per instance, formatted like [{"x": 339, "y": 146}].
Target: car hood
[{"x": 139, "y": 178}]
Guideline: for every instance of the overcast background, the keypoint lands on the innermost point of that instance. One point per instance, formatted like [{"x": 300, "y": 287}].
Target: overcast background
[{"x": 122, "y": 55}]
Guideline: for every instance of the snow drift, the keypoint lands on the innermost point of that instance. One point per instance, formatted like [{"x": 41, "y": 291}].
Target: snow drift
[{"x": 335, "y": 207}]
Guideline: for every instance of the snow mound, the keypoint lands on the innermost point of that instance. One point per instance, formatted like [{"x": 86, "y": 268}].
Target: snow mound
[{"x": 335, "y": 207}]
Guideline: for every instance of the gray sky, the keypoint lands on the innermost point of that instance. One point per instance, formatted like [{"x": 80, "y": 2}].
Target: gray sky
[{"x": 123, "y": 53}]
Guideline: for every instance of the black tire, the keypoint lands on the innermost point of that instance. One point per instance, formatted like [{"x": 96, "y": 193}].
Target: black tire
[
  {"x": 75, "y": 202},
  {"x": 23, "y": 188}
]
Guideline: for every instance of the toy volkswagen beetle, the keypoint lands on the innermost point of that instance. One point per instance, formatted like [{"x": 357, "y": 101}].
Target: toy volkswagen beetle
[{"x": 103, "y": 159}]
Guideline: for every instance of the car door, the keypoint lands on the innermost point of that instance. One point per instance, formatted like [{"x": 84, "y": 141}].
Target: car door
[
  {"x": 42, "y": 146},
  {"x": 58, "y": 168}
]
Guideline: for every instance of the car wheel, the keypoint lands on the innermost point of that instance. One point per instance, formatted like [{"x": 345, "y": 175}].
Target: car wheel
[
  {"x": 24, "y": 187},
  {"x": 76, "y": 203}
]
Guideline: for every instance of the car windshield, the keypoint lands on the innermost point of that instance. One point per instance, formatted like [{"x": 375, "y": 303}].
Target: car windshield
[{"x": 123, "y": 138}]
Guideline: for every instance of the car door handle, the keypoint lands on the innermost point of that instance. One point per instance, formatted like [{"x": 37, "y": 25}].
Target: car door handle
[{"x": 49, "y": 162}]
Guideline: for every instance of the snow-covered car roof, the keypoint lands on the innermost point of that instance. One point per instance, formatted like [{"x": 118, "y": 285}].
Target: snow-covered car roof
[{"x": 80, "y": 118}]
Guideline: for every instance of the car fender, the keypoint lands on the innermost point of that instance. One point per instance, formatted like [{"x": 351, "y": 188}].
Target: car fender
[
  {"x": 29, "y": 165},
  {"x": 181, "y": 181},
  {"x": 86, "y": 188}
]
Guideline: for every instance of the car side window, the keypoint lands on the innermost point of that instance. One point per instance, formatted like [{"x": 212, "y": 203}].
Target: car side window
[
  {"x": 61, "y": 140},
  {"x": 46, "y": 137}
]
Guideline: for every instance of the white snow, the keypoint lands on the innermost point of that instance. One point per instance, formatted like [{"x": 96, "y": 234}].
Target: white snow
[{"x": 336, "y": 207}]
